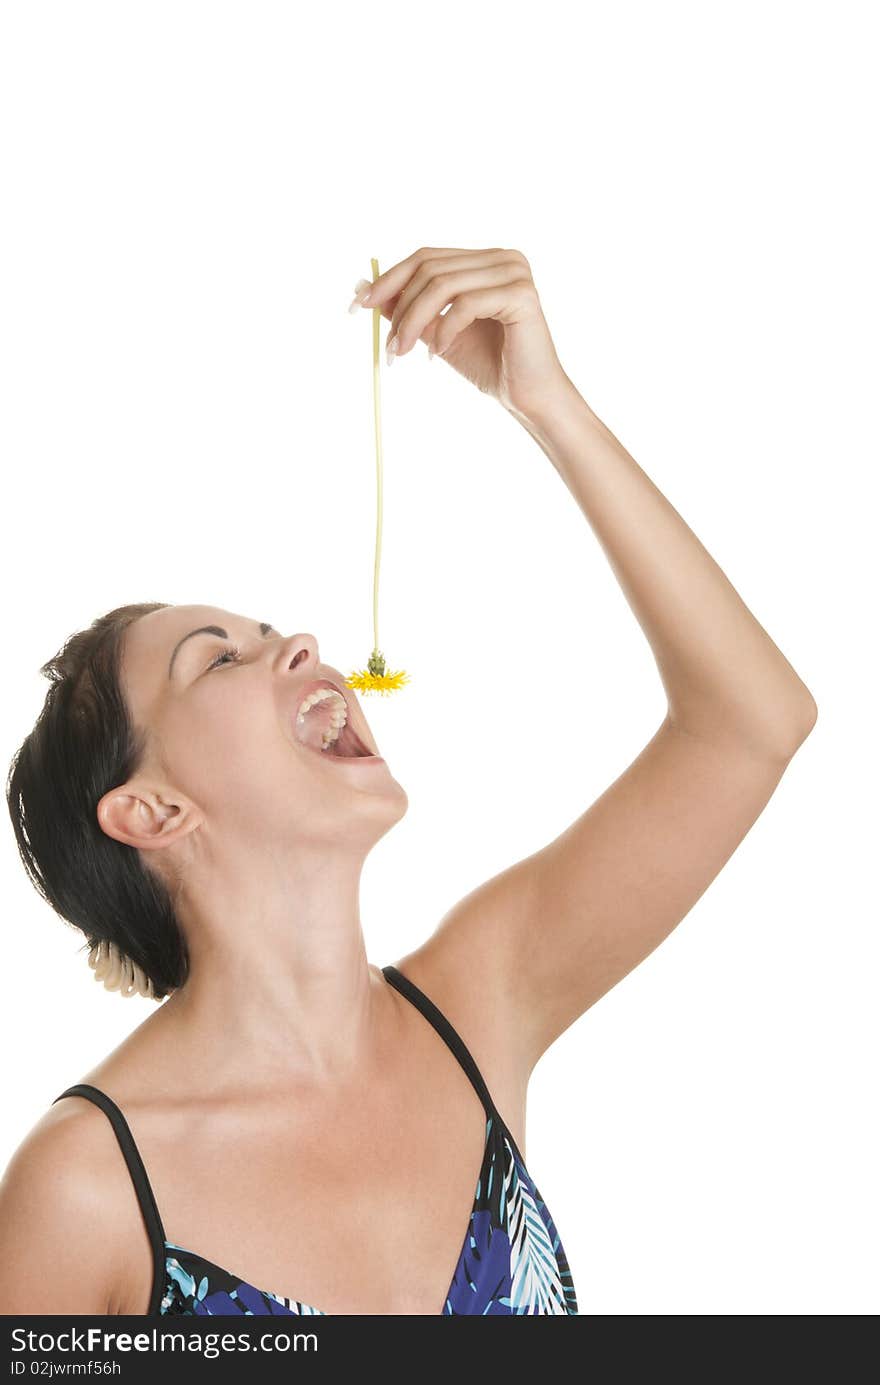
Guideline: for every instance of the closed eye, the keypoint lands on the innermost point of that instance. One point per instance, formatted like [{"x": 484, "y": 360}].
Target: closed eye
[{"x": 217, "y": 661}]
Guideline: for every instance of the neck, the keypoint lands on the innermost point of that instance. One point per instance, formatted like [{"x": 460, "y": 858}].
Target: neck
[{"x": 279, "y": 982}]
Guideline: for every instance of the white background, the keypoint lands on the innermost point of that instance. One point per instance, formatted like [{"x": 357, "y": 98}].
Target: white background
[{"x": 191, "y": 191}]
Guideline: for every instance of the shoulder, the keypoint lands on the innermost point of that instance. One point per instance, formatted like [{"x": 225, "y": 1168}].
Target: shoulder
[
  {"x": 61, "y": 1235},
  {"x": 465, "y": 995}
]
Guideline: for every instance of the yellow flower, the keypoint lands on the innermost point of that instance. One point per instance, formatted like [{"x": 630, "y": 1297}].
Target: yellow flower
[
  {"x": 364, "y": 681},
  {"x": 376, "y": 677}
]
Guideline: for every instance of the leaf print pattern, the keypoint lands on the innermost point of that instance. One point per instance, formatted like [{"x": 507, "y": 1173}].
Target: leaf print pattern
[
  {"x": 537, "y": 1281},
  {"x": 217, "y": 1293}
]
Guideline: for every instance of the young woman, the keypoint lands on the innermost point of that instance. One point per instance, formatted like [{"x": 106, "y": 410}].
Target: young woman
[{"x": 296, "y": 1130}]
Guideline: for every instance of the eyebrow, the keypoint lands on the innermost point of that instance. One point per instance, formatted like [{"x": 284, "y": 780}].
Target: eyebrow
[{"x": 210, "y": 630}]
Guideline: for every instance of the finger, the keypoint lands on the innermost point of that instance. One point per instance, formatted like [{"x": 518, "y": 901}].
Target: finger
[
  {"x": 434, "y": 265},
  {"x": 506, "y": 303},
  {"x": 390, "y": 283},
  {"x": 444, "y": 288}
]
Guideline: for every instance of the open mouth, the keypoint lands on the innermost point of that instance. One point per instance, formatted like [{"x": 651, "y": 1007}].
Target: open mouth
[{"x": 322, "y": 724}]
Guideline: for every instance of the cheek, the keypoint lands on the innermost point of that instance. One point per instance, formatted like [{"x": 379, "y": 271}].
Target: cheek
[{"x": 227, "y": 746}]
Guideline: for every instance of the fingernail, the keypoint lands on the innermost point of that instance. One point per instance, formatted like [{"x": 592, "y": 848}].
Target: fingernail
[
  {"x": 361, "y": 293},
  {"x": 391, "y": 349}
]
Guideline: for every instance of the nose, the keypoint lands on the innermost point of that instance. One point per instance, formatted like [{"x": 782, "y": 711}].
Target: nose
[{"x": 299, "y": 652}]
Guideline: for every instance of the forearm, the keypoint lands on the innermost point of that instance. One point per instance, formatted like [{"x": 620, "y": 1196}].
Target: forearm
[{"x": 723, "y": 675}]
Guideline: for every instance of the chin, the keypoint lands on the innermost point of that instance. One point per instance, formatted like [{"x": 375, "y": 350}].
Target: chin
[
  {"x": 391, "y": 800},
  {"x": 393, "y": 797}
]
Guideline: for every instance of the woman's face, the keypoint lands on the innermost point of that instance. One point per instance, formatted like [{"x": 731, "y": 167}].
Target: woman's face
[{"x": 224, "y": 742}]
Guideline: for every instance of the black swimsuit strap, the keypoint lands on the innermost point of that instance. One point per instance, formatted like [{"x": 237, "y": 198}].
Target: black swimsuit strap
[
  {"x": 135, "y": 1163},
  {"x": 138, "y": 1177},
  {"x": 435, "y": 1017}
]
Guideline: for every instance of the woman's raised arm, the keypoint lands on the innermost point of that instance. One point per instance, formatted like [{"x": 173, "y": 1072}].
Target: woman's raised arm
[{"x": 558, "y": 929}]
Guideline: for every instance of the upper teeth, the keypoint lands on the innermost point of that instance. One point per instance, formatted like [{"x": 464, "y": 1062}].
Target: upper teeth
[{"x": 338, "y": 716}]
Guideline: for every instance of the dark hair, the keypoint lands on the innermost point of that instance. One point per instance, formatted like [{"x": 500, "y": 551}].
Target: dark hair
[{"x": 84, "y": 743}]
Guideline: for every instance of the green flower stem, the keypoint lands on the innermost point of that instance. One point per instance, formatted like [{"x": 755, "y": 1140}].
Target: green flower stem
[{"x": 376, "y": 658}]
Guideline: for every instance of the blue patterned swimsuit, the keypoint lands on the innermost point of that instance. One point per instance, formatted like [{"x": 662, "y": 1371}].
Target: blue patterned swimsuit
[{"x": 512, "y": 1261}]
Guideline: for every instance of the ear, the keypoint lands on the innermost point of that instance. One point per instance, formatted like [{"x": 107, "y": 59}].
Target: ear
[{"x": 143, "y": 817}]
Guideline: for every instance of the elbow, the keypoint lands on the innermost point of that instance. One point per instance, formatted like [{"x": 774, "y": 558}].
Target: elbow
[
  {"x": 783, "y": 734},
  {"x": 802, "y": 725},
  {"x": 812, "y": 714},
  {"x": 776, "y": 730}
]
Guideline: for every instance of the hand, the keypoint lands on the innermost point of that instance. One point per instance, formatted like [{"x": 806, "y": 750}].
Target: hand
[{"x": 494, "y": 334}]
